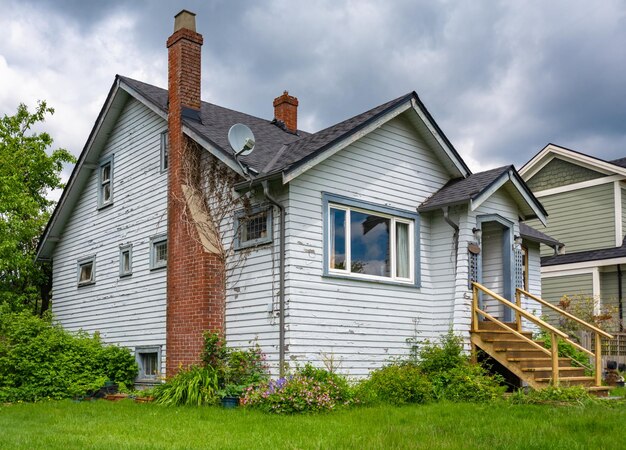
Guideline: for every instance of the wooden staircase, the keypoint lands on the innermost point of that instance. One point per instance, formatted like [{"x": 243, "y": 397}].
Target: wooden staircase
[{"x": 530, "y": 360}]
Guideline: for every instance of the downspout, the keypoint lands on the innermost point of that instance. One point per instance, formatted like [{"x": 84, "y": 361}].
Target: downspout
[
  {"x": 281, "y": 280},
  {"x": 455, "y": 236},
  {"x": 619, "y": 296}
]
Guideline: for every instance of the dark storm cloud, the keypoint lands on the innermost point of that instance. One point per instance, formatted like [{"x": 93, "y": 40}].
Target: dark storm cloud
[{"x": 501, "y": 78}]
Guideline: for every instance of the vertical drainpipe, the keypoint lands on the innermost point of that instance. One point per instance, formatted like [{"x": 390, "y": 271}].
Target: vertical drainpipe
[{"x": 281, "y": 278}]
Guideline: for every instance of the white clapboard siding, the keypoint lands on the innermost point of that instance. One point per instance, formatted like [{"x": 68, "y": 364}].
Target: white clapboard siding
[
  {"x": 127, "y": 311},
  {"x": 364, "y": 323}
]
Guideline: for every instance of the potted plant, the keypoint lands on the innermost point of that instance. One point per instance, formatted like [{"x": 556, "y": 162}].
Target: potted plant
[{"x": 230, "y": 394}]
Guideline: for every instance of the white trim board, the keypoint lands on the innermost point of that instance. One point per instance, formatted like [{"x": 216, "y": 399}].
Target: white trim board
[
  {"x": 617, "y": 198},
  {"x": 582, "y": 265},
  {"x": 581, "y": 185}
]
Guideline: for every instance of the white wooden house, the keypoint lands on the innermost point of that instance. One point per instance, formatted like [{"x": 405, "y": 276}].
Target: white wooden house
[{"x": 360, "y": 237}]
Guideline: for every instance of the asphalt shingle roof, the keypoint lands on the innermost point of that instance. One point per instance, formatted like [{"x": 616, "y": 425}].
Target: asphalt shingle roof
[
  {"x": 590, "y": 255},
  {"x": 461, "y": 190},
  {"x": 532, "y": 234}
]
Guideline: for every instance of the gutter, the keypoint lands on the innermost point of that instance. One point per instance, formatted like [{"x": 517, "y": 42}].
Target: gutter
[{"x": 281, "y": 282}]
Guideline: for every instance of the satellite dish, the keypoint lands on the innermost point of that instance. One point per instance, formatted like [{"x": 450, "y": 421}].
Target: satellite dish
[{"x": 241, "y": 139}]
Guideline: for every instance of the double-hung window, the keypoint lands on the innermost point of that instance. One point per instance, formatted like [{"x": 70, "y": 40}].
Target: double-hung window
[
  {"x": 369, "y": 241},
  {"x": 158, "y": 252},
  {"x": 105, "y": 182}
]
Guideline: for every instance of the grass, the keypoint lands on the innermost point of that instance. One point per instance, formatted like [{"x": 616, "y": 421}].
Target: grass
[{"x": 127, "y": 425}]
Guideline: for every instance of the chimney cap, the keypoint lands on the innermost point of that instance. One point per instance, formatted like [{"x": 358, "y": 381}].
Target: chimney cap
[{"x": 185, "y": 19}]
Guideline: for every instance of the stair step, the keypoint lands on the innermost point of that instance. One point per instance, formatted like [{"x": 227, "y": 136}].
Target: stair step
[
  {"x": 599, "y": 391},
  {"x": 513, "y": 344},
  {"x": 497, "y": 334},
  {"x": 564, "y": 372},
  {"x": 489, "y": 325},
  {"x": 569, "y": 381},
  {"x": 521, "y": 353},
  {"x": 544, "y": 361}
]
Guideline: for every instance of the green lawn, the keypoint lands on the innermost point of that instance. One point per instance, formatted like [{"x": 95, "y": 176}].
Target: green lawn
[{"x": 105, "y": 425}]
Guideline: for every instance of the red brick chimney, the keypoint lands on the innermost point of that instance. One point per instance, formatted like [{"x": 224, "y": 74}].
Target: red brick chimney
[
  {"x": 286, "y": 110},
  {"x": 195, "y": 278}
]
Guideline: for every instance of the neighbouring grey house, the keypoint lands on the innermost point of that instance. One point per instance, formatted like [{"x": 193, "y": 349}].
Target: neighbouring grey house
[
  {"x": 362, "y": 235},
  {"x": 587, "y": 204}
]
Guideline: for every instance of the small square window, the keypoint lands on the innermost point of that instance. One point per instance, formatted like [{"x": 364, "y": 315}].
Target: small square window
[
  {"x": 105, "y": 182},
  {"x": 254, "y": 227},
  {"x": 149, "y": 362},
  {"x": 87, "y": 271},
  {"x": 158, "y": 252},
  {"x": 126, "y": 260},
  {"x": 165, "y": 147}
]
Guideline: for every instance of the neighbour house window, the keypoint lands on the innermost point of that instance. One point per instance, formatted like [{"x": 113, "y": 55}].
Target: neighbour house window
[
  {"x": 87, "y": 271},
  {"x": 165, "y": 147},
  {"x": 126, "y": 260},
  {"x": 105, "y": 182},
  {"x": 253, "y": 227},
  {"x": 158, "y": 252},
  {"x": 370, "y": 241},
  {"x": 149, "y": 362}
]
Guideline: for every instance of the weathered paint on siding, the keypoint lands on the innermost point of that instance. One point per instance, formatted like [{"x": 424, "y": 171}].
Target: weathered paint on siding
[
  {"x": 554, "y": 288},
  {"x": 560, "y": 173},
  {"x": 582, "y": 219},
  {"x": 361, "y": 323},
  {"x": 127, "y": 311}
]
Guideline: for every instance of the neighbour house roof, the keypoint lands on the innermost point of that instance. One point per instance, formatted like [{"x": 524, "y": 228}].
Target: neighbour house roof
[
  {"x": 531, "y": 234},
  {"x": 589, "y": 255},
  {"x": 551, "y": 151},
  {"x": 476, "y": 188}
]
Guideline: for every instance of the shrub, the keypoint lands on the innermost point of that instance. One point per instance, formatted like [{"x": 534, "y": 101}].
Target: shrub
[
  {"x": 565, "y": 349},
  {"x": 553, "y": 395},
  {"x": 193, "y": 386},
  {"x": 41, "y": 360},
  {"x": 337, "y": 385},
  {"x": 468, "y": 383},
  {"x": 441, "y": 356},
  {"x": 292, "y": 395},
  {"x": 396, "y": 384}
]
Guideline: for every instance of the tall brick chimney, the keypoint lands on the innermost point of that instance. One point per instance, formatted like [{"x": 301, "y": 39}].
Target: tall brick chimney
[
  {"x": 286, "y": 110},
  {"x": 195, "y": 278}
]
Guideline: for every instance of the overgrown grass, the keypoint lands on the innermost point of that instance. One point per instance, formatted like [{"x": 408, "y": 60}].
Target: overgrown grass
[{"x": 126, "y": 425}]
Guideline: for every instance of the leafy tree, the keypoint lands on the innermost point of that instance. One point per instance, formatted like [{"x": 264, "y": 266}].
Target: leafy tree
[{"x": 28, "y": 173}]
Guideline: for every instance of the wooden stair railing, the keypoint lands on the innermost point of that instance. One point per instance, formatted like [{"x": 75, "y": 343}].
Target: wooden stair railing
[
  {"x": 599, "y": 334},
  {"x": 523, "y": 338}
]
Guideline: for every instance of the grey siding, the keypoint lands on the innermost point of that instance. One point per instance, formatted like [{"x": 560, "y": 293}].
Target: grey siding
[
  {"x": 554, "y": 288},
  {"x": 362, "y": 323},
  {"x": 127, "y": 311},
  {"x": 609, "y": 287},
  {"x": 582, "y": 219},
  {"x": 623, "y": 192},
  {"x": 560, "y": 173}
]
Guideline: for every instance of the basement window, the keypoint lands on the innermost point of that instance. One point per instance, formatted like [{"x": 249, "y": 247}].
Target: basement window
[
  {"x": 253, "y": 227},
  {"x": 105, "y": 182},
  {"x": 87, "y": 271},
  {"x": 149, "y": 362},
  {"x": 165, "y": 147},
  {"x": 158, "y": 252},
  {"x": 370, "y": 242}
]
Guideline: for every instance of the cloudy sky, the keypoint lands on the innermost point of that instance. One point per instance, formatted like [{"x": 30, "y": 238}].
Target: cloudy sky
[{"x": 502, "y": 79}]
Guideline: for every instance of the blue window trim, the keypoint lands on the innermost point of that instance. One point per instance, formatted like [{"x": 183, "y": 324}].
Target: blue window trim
[
  {"x": 242, "y": 214},
  {"x": 153, "y": 241},
  {"x": 81, "y": 262},
  {"x": 124, "y": 248},
  {"x": 104, "y": 162},
  {"x": 164, "y": 150},
  {"x": 341, "y": 200},
  {"x": 141, "y": 376}
]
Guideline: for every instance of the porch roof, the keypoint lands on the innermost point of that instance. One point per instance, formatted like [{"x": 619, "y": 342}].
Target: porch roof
[{"x": 531, "y": 234}]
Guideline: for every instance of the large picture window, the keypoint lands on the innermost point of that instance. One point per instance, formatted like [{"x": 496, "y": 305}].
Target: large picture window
[{"x": 369, "y": 241}]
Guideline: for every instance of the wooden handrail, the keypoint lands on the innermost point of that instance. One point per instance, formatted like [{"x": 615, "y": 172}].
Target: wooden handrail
[
  {"x": 519, "y": 335},
  {"x": 521, "y": 311},
  {"x": 565, "y": 313}
]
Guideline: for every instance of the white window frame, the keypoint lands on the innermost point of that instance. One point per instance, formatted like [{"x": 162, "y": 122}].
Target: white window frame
[
  {"x": 101, "y": 183},
  {"x": 141, "y": 375},
  {"x": 395, "y": 216},
  {"x": 165, "y": 148},
  {"x": 123, "y": 249},
  {"x": 80, "y": 264},
  {"x": 154, "y": 241}
]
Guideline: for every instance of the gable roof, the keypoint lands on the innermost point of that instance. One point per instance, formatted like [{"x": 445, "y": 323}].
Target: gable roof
[
  {"x": 476, "y": 188},
  {"x": 551, "y": 151}
]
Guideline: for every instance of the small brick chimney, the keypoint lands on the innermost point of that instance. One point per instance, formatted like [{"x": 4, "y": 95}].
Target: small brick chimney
[
  {"x": 195, "y": 277},
  {"x": 286, "y": 110}
]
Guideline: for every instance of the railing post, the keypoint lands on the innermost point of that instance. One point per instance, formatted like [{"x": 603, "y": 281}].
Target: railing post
[
  {"x": 518, "y": 315},
  {"x": 555, "y": 359},
  {"x": 598, "y": 364},
  {"x": 474, "y": 308}
]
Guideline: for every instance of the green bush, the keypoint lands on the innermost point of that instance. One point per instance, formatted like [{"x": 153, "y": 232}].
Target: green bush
[
  {"x": 41, "y": 360},
  {"x": 566, "y": 350},
  {"x": 468, "y": 383},
  {"x": 441, "y": 356},
  {"x": 193, "y": 386},
  {"x": 338, "y": 386},
  {"x": 396, "y": 384},
  {"x": 553, "y": 395}
]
